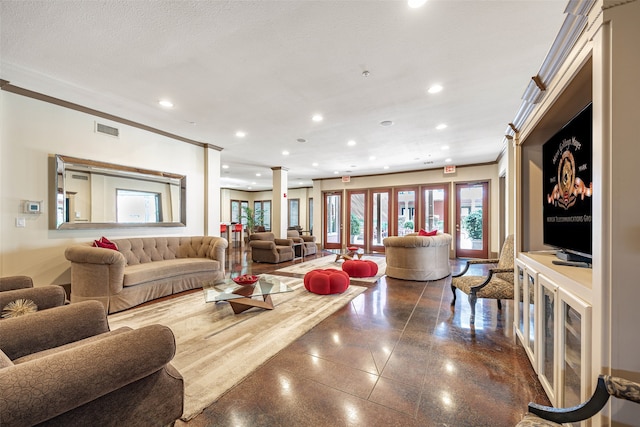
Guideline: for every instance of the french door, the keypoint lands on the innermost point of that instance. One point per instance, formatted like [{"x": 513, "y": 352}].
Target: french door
[
  {"x": 435, "y": 208},
  {"x": 332, "y": 220},
  {"x": 472, "y": 220},
  {"x": 405, "y": 211},
  {"x": 356, "y": 218},
  {"x": 380, "y": 214}
]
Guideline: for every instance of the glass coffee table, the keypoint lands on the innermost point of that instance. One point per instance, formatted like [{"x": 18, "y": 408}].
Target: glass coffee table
[{"x": 241, "y": 298}]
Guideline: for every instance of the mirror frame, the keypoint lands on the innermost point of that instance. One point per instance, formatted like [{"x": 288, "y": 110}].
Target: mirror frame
[{"x": 58, "y": 165}]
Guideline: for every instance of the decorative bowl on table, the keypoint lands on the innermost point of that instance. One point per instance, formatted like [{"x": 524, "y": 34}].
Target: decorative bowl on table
[{"x": 246, "y": 279}]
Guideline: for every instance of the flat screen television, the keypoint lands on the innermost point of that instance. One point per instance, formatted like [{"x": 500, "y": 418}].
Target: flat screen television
[{"x": 567, "y": 169}]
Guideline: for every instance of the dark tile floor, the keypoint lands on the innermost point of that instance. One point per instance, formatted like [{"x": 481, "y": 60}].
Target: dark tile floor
[{"x": 398, "y": 355}]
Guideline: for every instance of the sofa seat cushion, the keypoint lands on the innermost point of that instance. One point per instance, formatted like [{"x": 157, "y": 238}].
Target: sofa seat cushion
[{"x": 158, "y": 270}]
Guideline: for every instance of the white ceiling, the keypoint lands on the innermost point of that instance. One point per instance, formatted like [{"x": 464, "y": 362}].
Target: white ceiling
[{"x": 265, "y": 67}]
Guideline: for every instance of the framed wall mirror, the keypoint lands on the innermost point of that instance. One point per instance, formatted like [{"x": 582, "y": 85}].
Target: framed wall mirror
[{"x": 94, "y": 194}]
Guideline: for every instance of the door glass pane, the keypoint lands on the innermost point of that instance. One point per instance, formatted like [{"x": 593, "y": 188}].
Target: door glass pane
[
  {"x": 243, "y": 208},
  {"x": 310, "y": 225},
  {"x": 356, "y": 224},
  {"x": 434, "y": 210},
  {"x": 471, "y": 217},
  {"x": 406, "y": 212},
  {"x": 572, "y": 355},
  {"x": 294, "y": 212},
  {"x": 380, "y": 219},
  {"x": 333, "y": 219}
]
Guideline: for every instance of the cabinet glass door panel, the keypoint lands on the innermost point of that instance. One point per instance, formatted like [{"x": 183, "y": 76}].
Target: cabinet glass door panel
[
  {"x": 518, "y": 297},
  {"x": 575, "y": 332},
  {"x": 531, "y": 279},
  {"x": 547, "y": 337}
]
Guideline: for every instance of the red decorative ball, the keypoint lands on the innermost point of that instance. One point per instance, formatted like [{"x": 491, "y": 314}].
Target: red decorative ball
[
  {"x": 360, "y": 268},
  {"x": 326, "y": 282}
]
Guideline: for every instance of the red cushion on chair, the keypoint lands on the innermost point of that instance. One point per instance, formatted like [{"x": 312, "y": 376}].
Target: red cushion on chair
[
  {"x": 360, "y": 268},
  {"x": 326, "y": 282}
]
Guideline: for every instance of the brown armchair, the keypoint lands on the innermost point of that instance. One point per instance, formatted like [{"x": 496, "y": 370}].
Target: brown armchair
[
  {"x": 308, "y": 242},
  {"x": 497, "y": 284},
  {"x": 64, "y": 367},
  {"x": 541, "y": 416},
  {"x": 13, "y": 288},
  {"x": 266, "y": 248}
]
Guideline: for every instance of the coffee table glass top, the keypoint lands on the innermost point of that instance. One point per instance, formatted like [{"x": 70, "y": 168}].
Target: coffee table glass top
[{"x": 229, "y": 290}]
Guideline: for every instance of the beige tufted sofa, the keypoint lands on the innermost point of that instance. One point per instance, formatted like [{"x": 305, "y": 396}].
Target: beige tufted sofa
[
  {"x": 414, "y": 257},
  {"x": 143, "y": 269}
]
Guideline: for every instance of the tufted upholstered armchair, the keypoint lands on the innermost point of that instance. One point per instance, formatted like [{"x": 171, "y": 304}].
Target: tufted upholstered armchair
[
  {"x": 265, "y": 247},
  {"x": 544, "y": 416},
  {"x": 13, "y": 288},
  {"x": 308, "y": 242},
  {"x": 497, "y": 284},
  {"x": 64, "y": 367}
]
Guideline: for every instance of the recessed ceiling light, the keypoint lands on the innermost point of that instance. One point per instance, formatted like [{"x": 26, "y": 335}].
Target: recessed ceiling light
[
  {"x": 253, "y": 183},
  {"x": 314, "y": 164},
  {"x": 435, "y": 89},
  {"x": 444, "y": 147},
  {"x": 447, "y": 160},
  {"x": 416, "y": 3},
  {"x": 441, "y": 126},
  {"x": 301, "y": 140},
  {"x": 249, "y": 187},
  {"x": 351, "y": 143},
  {"x": 165, "y": 103},
  {"x": 385, "y": 167},
  {"x": 372, "y": 157},
  {"x": 366, "y": 73},
  {"x": 299, "y": 182},
  {"x": 258, "y": 174},
  {"x": 386, "y": 123},
  {"x": 316, "y": 118},
  {"x": 241, "y": 134},
  {"x": 336, "y": 172},
  {"x": 285, "y": 153},
  {"x": 225, "y": 166}
]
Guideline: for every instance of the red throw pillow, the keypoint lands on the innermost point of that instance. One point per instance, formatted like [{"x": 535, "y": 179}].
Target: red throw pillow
[
  {"x": 105, "y": 243},
  {"x": 422, "y": 232}
]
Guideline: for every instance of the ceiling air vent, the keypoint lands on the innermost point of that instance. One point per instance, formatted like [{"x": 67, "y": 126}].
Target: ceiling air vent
[
  {"x": 82, "y": 177},
  {"x": 107, "y": 130}
]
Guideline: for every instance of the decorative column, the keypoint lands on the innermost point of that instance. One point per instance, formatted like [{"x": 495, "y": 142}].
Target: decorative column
[{"x": 211, "y": 190}]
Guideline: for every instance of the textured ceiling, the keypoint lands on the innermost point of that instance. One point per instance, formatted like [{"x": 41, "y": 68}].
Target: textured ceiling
[{"x": 265, "y": 67}]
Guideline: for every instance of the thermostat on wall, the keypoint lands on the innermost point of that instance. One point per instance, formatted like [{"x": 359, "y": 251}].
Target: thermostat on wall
[{"x": 32, "y": 207}]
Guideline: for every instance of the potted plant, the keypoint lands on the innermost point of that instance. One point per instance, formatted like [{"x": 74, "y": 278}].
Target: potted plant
[{"x": 253, "y": 218}]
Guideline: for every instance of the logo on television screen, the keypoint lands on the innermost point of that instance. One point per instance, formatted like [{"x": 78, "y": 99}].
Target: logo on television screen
[{"x": 568, "y": 185}]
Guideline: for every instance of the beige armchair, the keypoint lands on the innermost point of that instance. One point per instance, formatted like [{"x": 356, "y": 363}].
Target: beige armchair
[
  {"x": 21, "y": 287},
  {"x": 497, "y": 284},
  {"x": 64, "y": 367},
  {"x": 545, "y": 416},
  {"x": 308, "y": 242},
  {"x": 266, "y": 248},
  {"x": 414, "y": 257}
]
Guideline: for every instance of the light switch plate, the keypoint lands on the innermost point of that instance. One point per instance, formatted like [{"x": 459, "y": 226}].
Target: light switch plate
[{"x": 21, "y": 222}]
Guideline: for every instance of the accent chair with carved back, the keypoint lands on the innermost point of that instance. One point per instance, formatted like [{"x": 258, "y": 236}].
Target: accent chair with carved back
[{"x": 498, "y": 284}]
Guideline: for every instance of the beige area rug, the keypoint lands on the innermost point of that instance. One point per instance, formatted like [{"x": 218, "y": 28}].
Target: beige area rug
[
  {"x": 217, "y": 349},
  {"x": 330, "y": 262}
]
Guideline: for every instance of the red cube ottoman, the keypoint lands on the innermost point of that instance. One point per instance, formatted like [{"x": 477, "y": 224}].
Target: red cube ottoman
[
  {"x": 326, "y": 282},
  {"x": 360, "y": 268}
]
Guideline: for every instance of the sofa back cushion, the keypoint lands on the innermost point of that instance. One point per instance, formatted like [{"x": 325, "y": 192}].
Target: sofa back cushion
[
  {"x": 5, "y": 362},
  {"x": 148, "y": 249}
]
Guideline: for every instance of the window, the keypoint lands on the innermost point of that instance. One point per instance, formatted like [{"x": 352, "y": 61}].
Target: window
[
  {"x": 294, "y": 212},
  {"x": 137, "y": 206}
]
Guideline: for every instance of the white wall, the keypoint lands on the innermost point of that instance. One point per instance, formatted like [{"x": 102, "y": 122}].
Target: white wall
[{"x": 31, "y": 132}]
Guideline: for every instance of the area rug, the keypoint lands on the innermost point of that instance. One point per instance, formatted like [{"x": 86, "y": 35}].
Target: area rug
[
  {"x": 217, "y": 349},
  {"x": 330, "y": 262}
]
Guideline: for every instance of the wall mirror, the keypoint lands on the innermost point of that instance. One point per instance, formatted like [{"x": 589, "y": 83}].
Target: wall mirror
[{"x": 94, "y": 194}]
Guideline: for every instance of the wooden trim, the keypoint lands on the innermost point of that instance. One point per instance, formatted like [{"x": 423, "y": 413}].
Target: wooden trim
[{"x": 6, "y": 86}]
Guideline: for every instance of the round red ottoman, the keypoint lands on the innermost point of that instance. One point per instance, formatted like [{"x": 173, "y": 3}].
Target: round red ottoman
[
  {"x": 326, "y": 282},
  {"x": 360, "y": 268}
]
